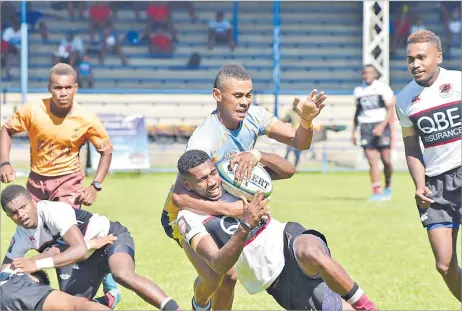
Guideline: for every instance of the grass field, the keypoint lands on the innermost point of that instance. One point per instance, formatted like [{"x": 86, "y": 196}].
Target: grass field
[{"x": 382, "y": 245}]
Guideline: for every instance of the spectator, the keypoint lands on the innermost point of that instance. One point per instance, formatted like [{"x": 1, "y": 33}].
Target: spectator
[
  {"x": 34, "y": 17},
  {"x": 85, "y": 73},
  {"x": 99, "y": 18},
  {"x": 161, "y": 43},
  {"x": 220, "y": 31},
  {"x": 11, "y": 45},
  {"x": 418, "y": 25},
  {"x": 80, "y": 5},
  {"x": 159, "y": 15},
  {"x": 293, "y": 118},
  {"x": 111, "y": 44},
  {"x": 5, "y": 65},
  {"x": 70, "y": 50}
]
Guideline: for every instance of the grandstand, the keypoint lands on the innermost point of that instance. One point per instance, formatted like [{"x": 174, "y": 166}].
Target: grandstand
[{"x": 321, "y": 47}]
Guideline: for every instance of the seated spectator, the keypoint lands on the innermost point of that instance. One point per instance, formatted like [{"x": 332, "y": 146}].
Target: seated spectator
[
  {"x": 161, "y": 43},
  {"x": 132, "y": 37},
  {"x": 188, "y": 5},
  {"x": 220, "y": 31},
  {"x": 70, "y": 50},
  {"x": 4, "y": 64},
  {"x": 35, "y": 17},
  {"x": 159, "y": 15},
  {"x": 112, "y": 45},
  {"x": 85, "y": 73},
  {"x": 80, "y": 5},
  {"x": 99, "y": 18},
  {"x": 418, "y": 25},
  {"x": 11, "y": 45}
]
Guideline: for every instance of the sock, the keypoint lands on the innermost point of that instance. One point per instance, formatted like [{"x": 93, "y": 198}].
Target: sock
[
  {"x": 376, "y": 188},
  {"x": 199, "y": 308},
  {"x": 358, "y": 299}
]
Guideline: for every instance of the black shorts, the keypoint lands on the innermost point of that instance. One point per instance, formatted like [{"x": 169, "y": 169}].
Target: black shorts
[
  {"x": 21, "y": 293},
  {"x": 446, "y": 193},
  {"x": 84, "y": 278},
  {"x": 293, "y": 289},
  {"x": 369, "y": 141}
]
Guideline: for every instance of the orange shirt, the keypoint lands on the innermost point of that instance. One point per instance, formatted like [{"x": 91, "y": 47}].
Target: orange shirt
[{"x": 55, "y": 142}]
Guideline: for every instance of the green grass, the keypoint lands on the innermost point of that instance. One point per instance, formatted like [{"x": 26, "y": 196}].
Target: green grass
[{"x": 382, "y": 245}]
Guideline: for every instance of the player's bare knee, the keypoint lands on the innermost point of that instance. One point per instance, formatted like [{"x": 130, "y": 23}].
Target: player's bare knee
[
  {"x": 310, "y": 251},
  {"x": 442, "y": 268},
  {"x": 123, "y": 276}
]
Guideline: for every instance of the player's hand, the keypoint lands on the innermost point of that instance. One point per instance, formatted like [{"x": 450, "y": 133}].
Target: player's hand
[
  {"x": 245, "y": 161},
  {"x": 311, "y": 106},
  {"x": 353, "y": 138},
  {"x": 102, "y": 241},
  {"x": 7, "y": 173},
  {"x": 24, "y": 265},
  {"x": 255, "y": 210},
  {"x": 88, "y": 196},
  {"x": 378, "y": 130},
  {"x": 421, "y": 196}
]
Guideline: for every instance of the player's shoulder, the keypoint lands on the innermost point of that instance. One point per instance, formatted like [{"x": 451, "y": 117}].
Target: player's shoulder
[
  {"x": 206, "y": 131},
  {"x": 405, "y": 96},
  {"x": 453, "y": 75},
  {"x": 84, "y": 112},
  {"x": 381, "y": 85},
  {"x": 50, "y": 209},
  {"x": 256, "y": 111}
]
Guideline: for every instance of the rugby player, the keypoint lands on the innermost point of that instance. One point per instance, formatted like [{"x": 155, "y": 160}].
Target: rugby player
[
  {"x": 44, "y": 223},
  {"x": 231, "y": 131},
  {"x": 374, "y": 110},
  {"x": 429, "y": 111},
  {"x": 23, "y": 291},
  {"x": 58, "y": 127},
  {"x": 291, "y": 263}
]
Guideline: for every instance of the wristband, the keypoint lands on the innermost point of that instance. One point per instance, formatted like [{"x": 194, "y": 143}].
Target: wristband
[
  {"x": 246, "y": 224},
  {"x": 5, "y": 163},
  {"x": 307, "y": 125},
  {"x": 45, "y": 263},
  {"x": 169, "y": 304},
  {"x": 256, "y": 153}
]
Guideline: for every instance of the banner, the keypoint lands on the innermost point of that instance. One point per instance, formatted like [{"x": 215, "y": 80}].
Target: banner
[{"x": 130, "y": 140}]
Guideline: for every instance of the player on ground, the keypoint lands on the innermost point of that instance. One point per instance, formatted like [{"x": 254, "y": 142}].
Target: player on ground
[
  {"x": 19, "y": 291},
  {"x": 291, "y": 263},
  {"x": 231, "y": 131},
  {"x": 43, "y": 224},
  {"x": 374, "y": 110},
  {"x": 429, "y": 111},
  {"x": 58, "y": 127}
]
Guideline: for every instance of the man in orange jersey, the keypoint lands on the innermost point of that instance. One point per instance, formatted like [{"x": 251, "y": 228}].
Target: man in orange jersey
[{"x": 57, "y": 129}]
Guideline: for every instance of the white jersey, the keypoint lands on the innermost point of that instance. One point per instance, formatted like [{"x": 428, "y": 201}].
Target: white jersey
[
  {"x": 371, "y": 101},
  {"x": 220, "y": 143},
  {"x": 54, "y": 220},
  {"x": 262, "y": 258},
  {"x": 435, "y": 113}
]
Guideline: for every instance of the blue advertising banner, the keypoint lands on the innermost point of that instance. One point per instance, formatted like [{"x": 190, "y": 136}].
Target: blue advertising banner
[{"x": 130, "y": 140}]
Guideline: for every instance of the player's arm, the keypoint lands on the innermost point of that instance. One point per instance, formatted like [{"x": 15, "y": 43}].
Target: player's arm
[
  {"x": 277, "y": 166},
  {"x": 184, "y": 199},
  {"x": 76, "y": 251},
  {"x": 414, "y": 157},
  {"x": 19, "y": 122},
  {"x": 355, "y": 123},
  {"x": 221, "y": 260}
]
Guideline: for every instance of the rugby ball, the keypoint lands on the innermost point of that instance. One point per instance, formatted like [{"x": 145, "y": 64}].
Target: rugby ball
[{"x": 260, "y": 180}]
